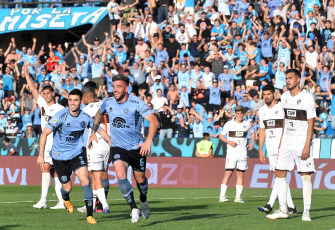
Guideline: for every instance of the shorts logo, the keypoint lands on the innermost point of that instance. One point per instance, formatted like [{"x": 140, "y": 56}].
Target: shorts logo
[
  {"x": 83, "y": 124},
  {"x": 119, "y": 122},
  {"x": 126, "y": 111},
  {"x": 64, "y": 178},
  {"x": 239, "y": 134},
  {"x": 117, "y": 156},
  {"x": 270, "y": 123},
  {"x": 308, "y": 165},
  {"x": 291, "y": 113},
  {"x": 54, "y": 120}
]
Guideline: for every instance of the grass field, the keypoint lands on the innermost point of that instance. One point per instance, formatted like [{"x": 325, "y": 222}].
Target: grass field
[{"x": 170, "y": 209}]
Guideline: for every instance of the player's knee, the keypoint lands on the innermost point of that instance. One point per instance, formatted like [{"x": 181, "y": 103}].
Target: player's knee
[{"x": 124, "y": 186}]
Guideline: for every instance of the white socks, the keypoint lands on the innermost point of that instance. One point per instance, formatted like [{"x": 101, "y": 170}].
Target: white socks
[
  {"x": 223, "y": 190},
  {"x": 282, "y": 193},
  {"x": 239, "y": 189},
  {"x": 102, "y": 197},
  {"x": 94, "y": 198},
  {"x": 289, "y": 200},
  {"x": 307, "y": 191},
  {"x": 45, "y": 186},
  {"x": 274, "y": 194},
  {"x": 58, "y": 186}
]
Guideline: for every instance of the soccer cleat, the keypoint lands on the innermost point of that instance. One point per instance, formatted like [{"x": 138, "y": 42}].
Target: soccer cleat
[
  {"x": 98, "y": 207},
  {"x": 277, "y": 215},
  {"x": 238, "y": 200},
  {"x": 145, "y": 210},
  {"x": 40, "y": 204},
  {"x": 82, "y": 209},
  {"x": 291, "y": 211},
  {"x": 267, "y": 209},
  {"x": 135, "y": 215},
  {"x": 91, "y": 220},
  {"x": 106, "y": 210},
  {"x": 306, "y": 217},
  {"x": 68, "y": 206},
  {"x": 98, "y": 210},
  {"x": 223, "y": 199},
  {"x": 59, "y": 205}
]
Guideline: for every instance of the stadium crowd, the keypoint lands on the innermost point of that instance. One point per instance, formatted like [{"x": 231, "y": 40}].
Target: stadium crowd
[{"x": 192, "y": 62}]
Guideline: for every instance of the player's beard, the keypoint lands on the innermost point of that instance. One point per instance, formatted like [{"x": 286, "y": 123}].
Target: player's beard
[
  {"x": 121, "y": 97},
  {"x": 268, "y": 102}
]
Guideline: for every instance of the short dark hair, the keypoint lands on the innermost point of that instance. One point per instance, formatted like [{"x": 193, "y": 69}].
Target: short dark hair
[
  {"x": 76, "y": 92},
  {"x": 88, "y": 90},
  {"x": 217, "y": 123},
  {"x": 91, "y": 84},
  {"x": 269, "y": 87},
  {"x": 121, "y": 78},
  {"x": 7, "y": 140},
  {"x": 240, "y": 108},
  {"x": 206, "y": 134},
  {"x": 294, "y": 71},
  {"x": 48, "y": 87}
]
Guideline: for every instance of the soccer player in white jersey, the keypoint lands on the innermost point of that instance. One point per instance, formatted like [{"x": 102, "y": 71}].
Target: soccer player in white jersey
[
  {"x": 271, "y": 117},
  {"x": 236, "y": 158},
  {"x": 295, "y": 146},
  {"x": 98, "y": 155},
  {"x": 48, "y": 109},
  {"x": 126, "y": 113}
]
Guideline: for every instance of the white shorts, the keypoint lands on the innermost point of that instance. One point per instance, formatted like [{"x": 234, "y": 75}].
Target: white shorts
[
  {"x": 47, "y": 156},
  {"x": 97, "y": 160},
  {"x": 287, "y": 158},
  {"x": 273, "y": 162},
  {"x": 190, "y": 10},
  {"x": 236, "y": 161},
  {"x": 250, "y": 82}
]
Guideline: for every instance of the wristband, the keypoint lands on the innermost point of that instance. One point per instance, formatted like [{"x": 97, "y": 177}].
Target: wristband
[{"x": 95, "y": 128}]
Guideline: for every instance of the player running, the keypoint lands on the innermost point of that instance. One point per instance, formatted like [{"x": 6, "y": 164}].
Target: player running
[
  {"x": 271, "y": 117},
  {"x": 98, "y": 155},
  {"x": 48, "y": 109},
  {"x": 236, "y": 158},
  {"x": 295, "y": 146},
  {"x": 126, "y": 113},
  {"x": 68, "y": 149}
]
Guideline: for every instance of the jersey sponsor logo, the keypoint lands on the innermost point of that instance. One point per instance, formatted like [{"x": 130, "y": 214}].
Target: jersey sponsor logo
[
  {"x": 296, "y": 114},
  {"x": 291, "y": 113},
  {"x": 119, "y": 122},
  {"x": 73, "y": 136},
  {"x": 237, "y": 134},
  {"x": 270, "y": 123}
]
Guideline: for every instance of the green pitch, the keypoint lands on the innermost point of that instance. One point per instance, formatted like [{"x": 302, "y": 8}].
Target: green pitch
[{"x": 170, "y": 209}]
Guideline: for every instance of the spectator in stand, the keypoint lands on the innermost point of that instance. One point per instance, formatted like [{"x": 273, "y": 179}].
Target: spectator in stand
[
  {"x": 166, "y": 118},
  {"x": 11, "y": 149},
  {"x": 29, "y": 133},
  {"x": 11, "y": 129}
]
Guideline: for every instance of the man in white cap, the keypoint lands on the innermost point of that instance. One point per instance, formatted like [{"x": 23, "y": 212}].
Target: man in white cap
[{"x": 331, "y": 42}]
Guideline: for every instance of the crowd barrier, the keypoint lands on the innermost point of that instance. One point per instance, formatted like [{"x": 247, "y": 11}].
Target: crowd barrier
[
  {"x": 179, "y": 147},
  {"x": 173, "y": 172}
]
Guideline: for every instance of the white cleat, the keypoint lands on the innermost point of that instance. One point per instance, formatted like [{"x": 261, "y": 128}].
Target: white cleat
[
  {"x": 59, "y": 205},
  {"x": 82, "y": 209},
  {"x": 40, "y": 205},
  {"x": 145, "y": 210},
  {"x": 135, "y": 215},
  {"x": 306, "y": 217},
  {"x": 277, "y": 215},
  {"x": 223, "y": 199},
  {"x": 238, "y": 200}
]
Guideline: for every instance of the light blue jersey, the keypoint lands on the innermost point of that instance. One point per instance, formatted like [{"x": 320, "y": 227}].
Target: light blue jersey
[
  {"x": 68, "y": 131},
  {"x": 126, "y": 121}
]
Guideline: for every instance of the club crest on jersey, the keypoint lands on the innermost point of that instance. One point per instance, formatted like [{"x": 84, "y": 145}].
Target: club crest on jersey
[
  {"x": 276, "y": 112},
  {"x": 298, "y": 101},
  {"x": 270, "y": 123},
  {"x": 54, "y": 120},
  {"x": 126, "y": 111},
  {"x": 291, "y": 113},
  {"x": 83, "y": 124}
]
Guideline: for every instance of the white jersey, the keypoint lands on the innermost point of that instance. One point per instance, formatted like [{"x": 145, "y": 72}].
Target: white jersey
[
  {"x": 297, "y": 110},
  {"x": 272, "y": 121},
  {"x": 92, "y": 109},
  {"x": 237, "y": 132},
  {"x": 47, "y": 112}
]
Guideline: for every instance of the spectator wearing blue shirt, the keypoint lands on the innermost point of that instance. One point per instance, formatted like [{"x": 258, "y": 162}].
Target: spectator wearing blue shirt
[
  {"x": 242, "y": 54},
  {"x": 280, "y": 76},
  {"x": 82, "y": 64},
  {"x": 217, "y": 129},
  {"x": 120, "y": 55},
  {"x": 183, "y": 76},
  {"x": 161, "y": 55},
  {"x": 266, "y": 44},
  {"x": 284, "y": 53},
  {"x": 226, "y": 81},
  {"x": 184, "y": 97},
  {"x": 97, "y": 68},
  {"x": 214, "y": 96},
  {"x": 29, "y": 59},
  {"x": 330, "y": 43},
  {"x": 2, "y": 93},
  {"x": 218, "y": 30},
  {"x": 264, "y": 70},
  {"x": 256, "y": 103},
  {"x": 27, "y": 117},
  {"x": 325, "y": 76},
  {"x": 238, "y": 93},
  {"x": 322, "y": 124},
  {"x": 246, "y": 102},
  {"x": 230, "y": 56},
  {"x": 8, "y": 81}
]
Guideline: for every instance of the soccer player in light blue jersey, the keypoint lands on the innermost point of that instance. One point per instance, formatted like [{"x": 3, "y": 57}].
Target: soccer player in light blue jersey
[
  {"x": 68, "y": 149},
  {"x": 126, "y": 113}
]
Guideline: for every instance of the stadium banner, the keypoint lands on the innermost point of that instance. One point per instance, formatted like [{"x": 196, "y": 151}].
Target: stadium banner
[
  {"x": 179, "y": 147},
  {"x": 15, "y": 20},
  {"x": 176, "y": 172}
]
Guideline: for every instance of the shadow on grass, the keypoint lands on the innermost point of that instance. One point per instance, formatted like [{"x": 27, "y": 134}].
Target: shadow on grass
[
  {"x": 323, "y": 209},
  {"x": 6, "y": 227}
]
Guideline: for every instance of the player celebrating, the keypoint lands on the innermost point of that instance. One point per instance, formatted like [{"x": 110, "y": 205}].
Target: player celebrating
[
  {"x": 236, "y": 131},
  {"x": 125, "y": 113},
  {"x": 98, "y": 155},
  {"x": 271, "y": 117},
  {"x": 48, "y": 109},
  {"x": 295, "y": 146},
  {"x": 68, "y": 150}
]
